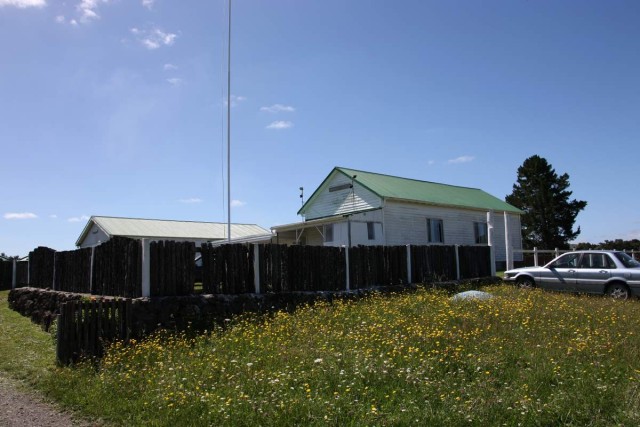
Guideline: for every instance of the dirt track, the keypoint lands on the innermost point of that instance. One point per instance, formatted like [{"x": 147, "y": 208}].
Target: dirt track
[{"x": 25, "y": 409}]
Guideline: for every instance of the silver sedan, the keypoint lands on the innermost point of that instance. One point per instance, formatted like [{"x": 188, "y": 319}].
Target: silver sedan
[{"x": 597, "y": 272}]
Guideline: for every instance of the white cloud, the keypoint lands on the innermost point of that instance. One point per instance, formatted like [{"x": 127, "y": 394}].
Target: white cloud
[
  {"x": 54, "y": 216},
  {"x": 191, "y": 200},
  {"x": 169, "y": 67},
  {"x": 431, "y": 162},
  {"x": 154, "y": 38},
  {"x": 237, "y": 203},
  {"x": 78, "y": 218},
  {"x": 148, "y": 3},
  {"x": 280, "y": 125},
  {"x": 22, "y": 215},
  {"x": 277, "y": 108},
  {"x": 235, "y": 100},
  {"x": 461, "y": 159},
  {"x": 23, "y": 4},
  {"x": 60, "y": 19},
  {"x": 88, "y": 10},
  {"x": 175, "y": 81}
]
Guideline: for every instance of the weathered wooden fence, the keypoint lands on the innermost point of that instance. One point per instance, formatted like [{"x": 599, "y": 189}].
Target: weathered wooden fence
[
  {"x": 300, "y": 268},
  {"x": 377, "y": 265},
  {"x": 6, "y": 275},
  {"x": 86, "y": 327},
  {"x": 123, "y": 267},
  {"x": 41, "y": 265},
  {"x": 434, "y": 263},
  {"x": 117, "y": 268},
  {"x": 172, "y": 268},
  {"x": 227, "y": 269},
  {"x": 72, "y": 272}
]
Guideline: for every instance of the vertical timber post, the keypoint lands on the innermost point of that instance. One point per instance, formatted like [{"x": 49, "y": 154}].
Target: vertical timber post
[
  {"x": 146, "y": 268},
  {"x": 53, "y": 280},
  {"x": 93, "y": 256},
  {"x": 535, "y": 256},
  {"x": 409, "y": 278},
  {"x": 14, "y": 274},
  {"x": 457, "y": 263},
  {"x": 507, "y": 242},
  {"x": 492, "y": 252},
  {"x": 256, "y": 268},
  {"x": 347, "y": 278}
]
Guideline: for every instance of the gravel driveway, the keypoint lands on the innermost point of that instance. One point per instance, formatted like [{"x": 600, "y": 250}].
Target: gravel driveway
[{"x": 19, "y": 408}]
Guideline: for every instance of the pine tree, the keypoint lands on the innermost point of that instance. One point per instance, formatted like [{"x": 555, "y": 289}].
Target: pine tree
[{"x": 549, "y": 215}]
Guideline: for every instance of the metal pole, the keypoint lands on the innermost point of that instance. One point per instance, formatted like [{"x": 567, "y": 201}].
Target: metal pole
[
  {"x": 229, "y": 131},
  {"x": 507, "y": 242},
  {"x": 14, "y": 274},
  {"x": 256, "y": 268},
  {"x": 146, "y": 268},
  {"x": 409, "y": 278},
  {"x": 490, "y": 237},
  {"x": 348, "y": 280}
]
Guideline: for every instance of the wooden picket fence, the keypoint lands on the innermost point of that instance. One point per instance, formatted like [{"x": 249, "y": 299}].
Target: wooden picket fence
[{"x": 86, "y": 327}]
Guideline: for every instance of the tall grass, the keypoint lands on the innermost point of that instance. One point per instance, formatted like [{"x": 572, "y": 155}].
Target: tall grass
[{"x": 521, "y": 358}]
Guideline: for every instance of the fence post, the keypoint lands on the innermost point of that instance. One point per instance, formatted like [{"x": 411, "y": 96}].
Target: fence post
[
  {"x": 53, "y": 284},
  {"x": 256, "y": 268},
  {"x": 490, "y": 236},
  {"x": 535, "y": 256},
  {"x": 409, "y": 278},
  {"x": 457, "y": 263},
  {"x": 146, "y": 268},
  {"x": 347, "y": 278},
  {"x": 507, "y": 243},
  {"x": 557, "y": 253},
  {"x": 14, "y": 274},
  {"x": 93, "y": 253}
]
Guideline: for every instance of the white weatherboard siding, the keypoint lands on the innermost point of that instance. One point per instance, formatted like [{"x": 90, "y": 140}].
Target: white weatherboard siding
[
  {"x": 359, "y": 230},
  {"x": 406, "y": 223},
  {"x": 329, "y": 203},
  {"x": 95, "y": 236}
]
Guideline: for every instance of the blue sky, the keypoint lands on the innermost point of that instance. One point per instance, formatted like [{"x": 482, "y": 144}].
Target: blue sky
[{"x": 117, "y": 107}]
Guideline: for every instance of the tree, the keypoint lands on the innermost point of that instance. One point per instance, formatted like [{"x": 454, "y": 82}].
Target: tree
[{"x": 549, "y": 215}]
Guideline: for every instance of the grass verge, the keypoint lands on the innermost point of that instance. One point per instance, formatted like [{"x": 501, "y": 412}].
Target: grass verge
[{"x": 521, "y": 358}]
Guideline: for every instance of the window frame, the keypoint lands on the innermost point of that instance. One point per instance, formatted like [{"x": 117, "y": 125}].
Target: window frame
[
  {"x": 480, "y": 239},
  {"x": 328, "y": 233},
  {"x": 435, "y": 226},
  {"x": 371, "y": 230}
]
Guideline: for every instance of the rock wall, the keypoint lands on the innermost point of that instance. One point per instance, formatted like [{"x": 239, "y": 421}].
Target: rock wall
[{"x": 199, "y": 311}]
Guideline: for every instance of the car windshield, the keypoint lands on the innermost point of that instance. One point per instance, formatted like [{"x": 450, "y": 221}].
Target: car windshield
[
  {"x": 627, "y": 260},
  {"x": 569, "y": 260}
]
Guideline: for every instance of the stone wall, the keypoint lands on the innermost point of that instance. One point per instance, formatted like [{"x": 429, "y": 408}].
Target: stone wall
[{"x": 200, "y": 311}]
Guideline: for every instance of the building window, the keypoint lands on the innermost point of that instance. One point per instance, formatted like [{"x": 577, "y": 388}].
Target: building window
[
  {"x": 480, "y": 233},
  {"x": 435, "y": 231},
  {"x": 328, "y": 233},
  {"x": 371, "y": 230}
]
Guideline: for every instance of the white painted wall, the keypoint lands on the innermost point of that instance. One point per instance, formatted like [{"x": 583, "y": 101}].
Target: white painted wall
[
  {"x": 406, "y": 223},
  {"x": 94, "y": 237}
]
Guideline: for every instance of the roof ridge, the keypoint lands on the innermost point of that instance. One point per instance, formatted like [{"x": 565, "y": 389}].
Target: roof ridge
[
  {"x": 408, "y": 179},
  {"x": 168, "y": 220}
]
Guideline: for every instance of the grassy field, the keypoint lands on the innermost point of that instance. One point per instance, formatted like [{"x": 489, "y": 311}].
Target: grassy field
[{"x": 521, "y": 358}]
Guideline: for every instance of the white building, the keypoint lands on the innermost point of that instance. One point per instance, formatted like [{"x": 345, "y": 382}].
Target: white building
[{"x": 353, "y": 207}]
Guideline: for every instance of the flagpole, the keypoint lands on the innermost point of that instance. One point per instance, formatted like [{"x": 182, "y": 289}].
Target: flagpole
[{"x": 229, "y": 131}]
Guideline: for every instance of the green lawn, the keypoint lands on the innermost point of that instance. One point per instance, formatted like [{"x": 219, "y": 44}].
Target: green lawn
[{"x": 526, "y": 357}]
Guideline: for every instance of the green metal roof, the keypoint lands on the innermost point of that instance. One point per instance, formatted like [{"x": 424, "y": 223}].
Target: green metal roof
[{"x": 393, "y": 187}]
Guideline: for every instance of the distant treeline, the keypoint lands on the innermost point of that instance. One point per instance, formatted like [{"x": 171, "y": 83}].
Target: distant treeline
[{"x": 618, "y": 244}]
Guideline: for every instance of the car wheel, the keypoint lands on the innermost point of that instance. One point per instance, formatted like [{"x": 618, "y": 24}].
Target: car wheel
[
  {"x": 618, "y": 291},
  {"x": 526, "y": 283}
]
